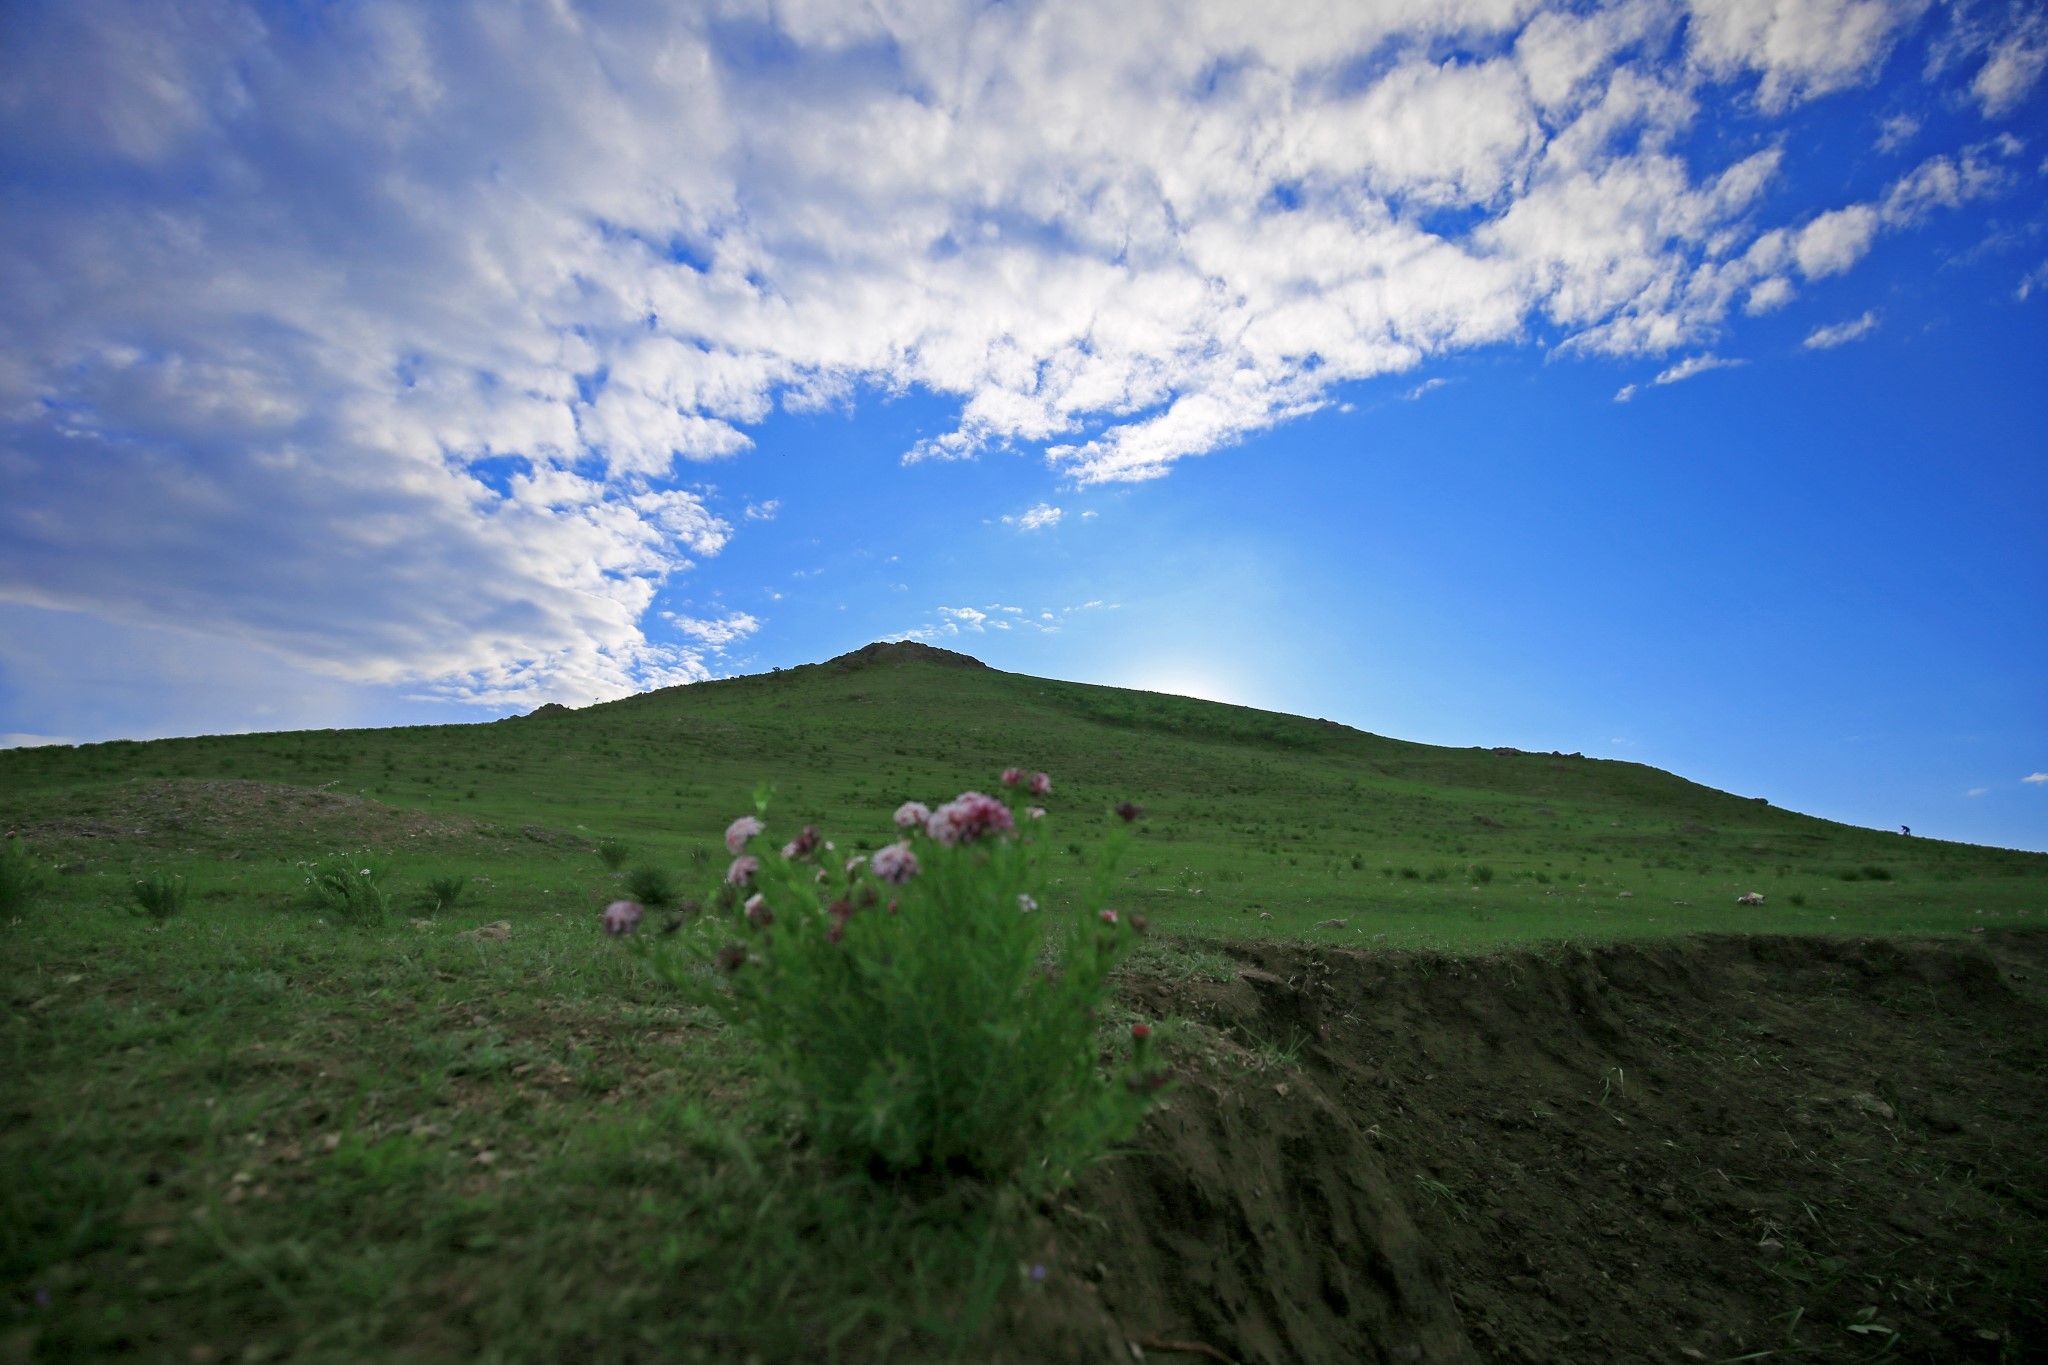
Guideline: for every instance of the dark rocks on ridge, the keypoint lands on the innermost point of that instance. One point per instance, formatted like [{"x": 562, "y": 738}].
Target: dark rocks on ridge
[{"x": 901, "y": 652}]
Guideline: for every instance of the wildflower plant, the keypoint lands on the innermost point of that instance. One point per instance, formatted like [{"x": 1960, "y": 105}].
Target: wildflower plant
[{"x": 917, "y": 1005}]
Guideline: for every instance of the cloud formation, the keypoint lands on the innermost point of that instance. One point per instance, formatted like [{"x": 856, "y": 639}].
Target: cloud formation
[
  {"x": 403, "y": 340},
  {"x": 1039, "y": 518},
  {"x": 1695, "y": 365},
  {"x": 956, "y": 621},
  {"x": 1841, "y": 333}
]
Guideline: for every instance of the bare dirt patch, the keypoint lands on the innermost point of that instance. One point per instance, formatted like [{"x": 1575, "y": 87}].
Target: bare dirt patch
[
  {"x": 226, "y": 816},
  {"x": 1703, "y": 1149}
]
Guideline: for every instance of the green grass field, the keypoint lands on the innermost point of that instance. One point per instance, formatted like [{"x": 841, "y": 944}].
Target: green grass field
[{"x": 252, "y": 1131}]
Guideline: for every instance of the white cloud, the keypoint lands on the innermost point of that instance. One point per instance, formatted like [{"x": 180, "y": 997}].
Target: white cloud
[
  {"x": 1943, "y": 182},
  {"x": 1801, "y": 48},
  {"x": 718, "y": 632},
  {"x": 1695, "y": 365},
  {"x": 1977, "y": 791},
  {"x": 2034, "y": 280},
  {"x": 966, "y": 618},
  {"x": 1896, "y": 131},
  {"x": 1768, "y": 295},
  {"x": 2036, "y": 778},
  {"x": 2011, "y": 70},
  {"x": 1626, "y": 393},
  {"x": 955, "y": 621},
  {"x": 1425, "y": 387},
  {"x": 1835, "y": 241},
  {"x": 409, "y": 394},
  {"x": 763, "y": 511},
  {"x": 1841, "y": 333},
  {"x": 1039, "y": 518}
]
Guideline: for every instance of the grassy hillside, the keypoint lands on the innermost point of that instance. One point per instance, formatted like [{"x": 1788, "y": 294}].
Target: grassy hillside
[
  {"x": 1256, "y": 822},
  {"x": 255, "y": 1132}
]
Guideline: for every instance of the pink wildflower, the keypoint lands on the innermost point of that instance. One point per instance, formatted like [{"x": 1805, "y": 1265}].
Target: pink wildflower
[
  {"x": 968, "y": 817},
  {"x": 1141, "y": 1032},
  {"x": 1129, "y": 811},
  {"x": 1041, "y": 784},
  {"x": 1034, "y": 812},
  {"x": 621, "y": 917},
  {"x": 742, "y": 870},
  {"x": 894, "y": 864},
  {"x": 802, "y": 844},
  {"x": 912, "y": 814},
  {"x": 1107, "y": 916},
  {"x": 739, "y": 831},
  {"x": 1012, "y": 776},
  {"x": 853, "y": 863},
  {"x": 758, "y": 913}
]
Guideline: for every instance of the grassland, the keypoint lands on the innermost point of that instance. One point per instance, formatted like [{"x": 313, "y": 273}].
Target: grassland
[
  {"x": 1256, "y": 822},
  {"x": 252, "y": 1131}
]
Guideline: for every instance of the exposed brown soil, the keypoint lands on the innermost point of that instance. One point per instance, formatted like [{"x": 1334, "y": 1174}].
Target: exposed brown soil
[{"x": 1703, "y": 1149}]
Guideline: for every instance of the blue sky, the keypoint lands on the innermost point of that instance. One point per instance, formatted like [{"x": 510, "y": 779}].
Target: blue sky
[{"x": 1665, "y": 380}]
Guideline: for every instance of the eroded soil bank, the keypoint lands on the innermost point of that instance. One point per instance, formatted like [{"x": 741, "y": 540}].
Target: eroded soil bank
[{"x": 1703, "y": 1149}]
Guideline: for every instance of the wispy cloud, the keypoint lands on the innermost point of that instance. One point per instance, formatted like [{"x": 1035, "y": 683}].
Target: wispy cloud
[
  {"x": 1427, "y": 386},
  {"x": 1695, "y": 365},
  {"x": 1841, "y": 333},
  {"x": 1042, "y": 517},
  {"x": 1897, "y": 131},
  {"x": 2012, "y": 69},
  {"x": 763, "y": 511},
  {"x": 956, "y": 621},
  {"x": 1977, "y": 791},
  {"x": 2036, "y": 778},
  {"x": 718, "y": 632}
]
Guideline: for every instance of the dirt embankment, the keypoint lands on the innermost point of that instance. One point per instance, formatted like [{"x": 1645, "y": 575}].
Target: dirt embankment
[{"x": 1703, "y": 1149}]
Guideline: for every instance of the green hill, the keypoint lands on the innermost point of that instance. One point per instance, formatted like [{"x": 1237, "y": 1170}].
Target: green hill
[
  {"x": 471, "y": 1126},
  {"x": 1255, "y": 822}
]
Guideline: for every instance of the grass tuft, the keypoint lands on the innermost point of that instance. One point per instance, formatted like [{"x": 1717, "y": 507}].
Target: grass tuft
[
  {"x": 160, "y": 896},
  {"x": 21, "y": 880},
  {"x": 653, "y": 886}
]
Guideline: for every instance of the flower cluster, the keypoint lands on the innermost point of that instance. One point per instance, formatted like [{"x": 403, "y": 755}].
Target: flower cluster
[
  {"x": 934, "y": 1003},
  {"x": 968, "y": 817}
]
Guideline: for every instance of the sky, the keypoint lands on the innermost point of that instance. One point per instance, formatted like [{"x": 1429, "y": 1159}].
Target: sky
[{"x": 1664, "y": 380}]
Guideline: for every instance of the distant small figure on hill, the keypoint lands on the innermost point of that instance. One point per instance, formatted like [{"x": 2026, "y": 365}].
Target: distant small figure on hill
[{"x": 1906, "y": 830}]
